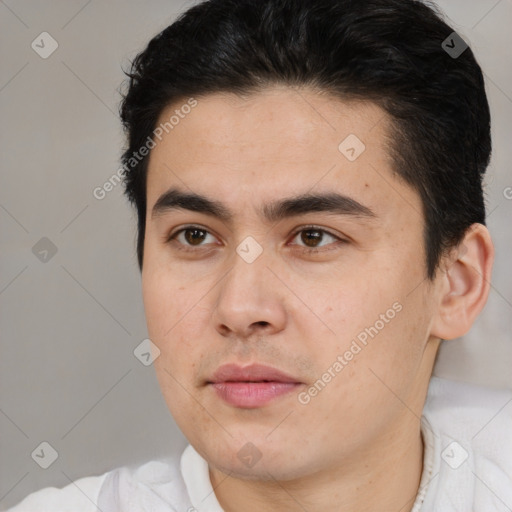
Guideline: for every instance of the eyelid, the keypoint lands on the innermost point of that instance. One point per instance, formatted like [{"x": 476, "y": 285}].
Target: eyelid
[
  {"x": 321, "y": 229},
  {"x": 173, "y": 234},
  {"x": 172, "y": 237}
]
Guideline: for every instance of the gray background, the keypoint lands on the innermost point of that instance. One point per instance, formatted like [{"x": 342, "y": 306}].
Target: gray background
[{"x": 69, "y": 325}]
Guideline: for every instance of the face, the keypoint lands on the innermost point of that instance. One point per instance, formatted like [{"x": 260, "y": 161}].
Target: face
[{"x": 287, "y": 293}]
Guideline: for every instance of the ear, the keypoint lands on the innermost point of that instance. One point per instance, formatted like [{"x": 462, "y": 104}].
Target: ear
[{"x": 465, "y": 277}]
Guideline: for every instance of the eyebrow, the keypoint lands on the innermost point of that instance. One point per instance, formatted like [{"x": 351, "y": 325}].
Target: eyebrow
[{"x": 331, "y": 202}]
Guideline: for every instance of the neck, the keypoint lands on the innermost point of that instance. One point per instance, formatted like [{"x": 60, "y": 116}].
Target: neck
[{"x": 384, "y": 478}]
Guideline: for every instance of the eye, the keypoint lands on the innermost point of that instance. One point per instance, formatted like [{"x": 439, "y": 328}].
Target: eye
[
  {"x": 192, "y": 236},
  {"x": 314, "y": 238},
  {"x": 310, "y": 239}
]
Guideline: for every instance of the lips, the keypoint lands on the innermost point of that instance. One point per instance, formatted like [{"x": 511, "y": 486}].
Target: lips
[
  {"x": 251, "y": 386},
  {"x": 251, "y": 373}
]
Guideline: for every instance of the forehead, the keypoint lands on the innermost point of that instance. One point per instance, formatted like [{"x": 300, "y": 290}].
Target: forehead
[
  {"x": 278, "y": 142},
  {"x": 279, "y": 122}
]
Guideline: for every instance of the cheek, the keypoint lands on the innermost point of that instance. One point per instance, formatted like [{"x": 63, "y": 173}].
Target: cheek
[
  {"x": 177, "y": 319},
  {"x": 175, "y": 327},
  {"x": 342, "y": 306},
  {"x": 378, "y": 315},
  {"x": 395, "y": 337},
  {"x": 159, "y": 305},
  {"x": 166, "y": 295}
]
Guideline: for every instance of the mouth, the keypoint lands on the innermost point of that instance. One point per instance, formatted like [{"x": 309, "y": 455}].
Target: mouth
[{"x": 251, "y": 386}]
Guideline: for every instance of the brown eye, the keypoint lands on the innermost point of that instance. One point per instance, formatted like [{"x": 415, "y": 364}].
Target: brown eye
[
  {"x": 194, "y": 236},
  {"x": 314, "y": 238},
  {"x": 311, "y": 237},
  {"x": 191, "y": 237}
]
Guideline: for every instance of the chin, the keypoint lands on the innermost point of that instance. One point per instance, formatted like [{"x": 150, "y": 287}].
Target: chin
[{"x": 261, "y": 460}]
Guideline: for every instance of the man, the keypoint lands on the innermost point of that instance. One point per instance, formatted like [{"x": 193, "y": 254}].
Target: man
[{"x": 308, "y": 182}]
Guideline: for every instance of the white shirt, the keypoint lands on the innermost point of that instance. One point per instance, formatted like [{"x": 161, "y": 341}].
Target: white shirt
[{"x": 467, "y": 433}]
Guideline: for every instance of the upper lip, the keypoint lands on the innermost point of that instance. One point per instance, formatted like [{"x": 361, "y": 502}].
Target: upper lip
[{"x": 251, "y": 373}]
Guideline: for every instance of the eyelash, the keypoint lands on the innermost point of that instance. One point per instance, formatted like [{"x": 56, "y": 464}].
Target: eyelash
[{"x": 306, "y": 250}]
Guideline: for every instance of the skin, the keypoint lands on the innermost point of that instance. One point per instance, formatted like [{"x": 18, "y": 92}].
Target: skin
[{"x": 356, "y": 445}]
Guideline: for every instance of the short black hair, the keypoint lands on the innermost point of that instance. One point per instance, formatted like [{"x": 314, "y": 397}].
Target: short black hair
[{"x": 387, "y": 51}]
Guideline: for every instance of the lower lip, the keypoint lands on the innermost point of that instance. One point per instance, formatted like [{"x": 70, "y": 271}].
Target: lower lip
[{"x": 252, "y": 394}]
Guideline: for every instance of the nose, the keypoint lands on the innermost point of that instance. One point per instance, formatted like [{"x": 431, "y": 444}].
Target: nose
[{"x": 248, "y": 301}]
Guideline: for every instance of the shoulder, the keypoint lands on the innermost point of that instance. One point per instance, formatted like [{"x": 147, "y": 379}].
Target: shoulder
[
  {"x": 472, "y": 434},
  {"x": 132, "y": 487},
  {"x": 88, "y": 493},
  {"x": 78, "y": 496},
  {"x": 469, "y": 410},
  {"x": 155, "y": 485}
]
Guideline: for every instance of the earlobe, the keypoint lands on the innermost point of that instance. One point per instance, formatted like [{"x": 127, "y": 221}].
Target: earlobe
[{"x": 465, "y": 285}]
